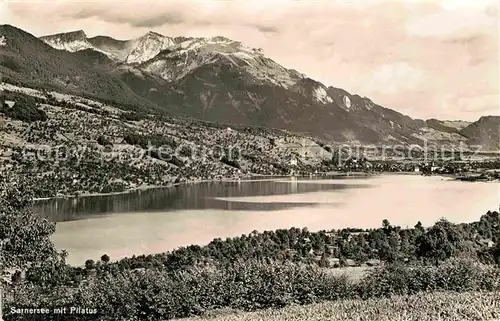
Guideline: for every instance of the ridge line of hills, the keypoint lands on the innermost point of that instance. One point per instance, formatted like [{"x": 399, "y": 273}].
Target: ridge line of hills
[{"x": 220, "y": 80}]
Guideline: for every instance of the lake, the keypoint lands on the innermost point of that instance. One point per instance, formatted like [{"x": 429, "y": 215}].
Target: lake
[{"x": 159, "y": 220}]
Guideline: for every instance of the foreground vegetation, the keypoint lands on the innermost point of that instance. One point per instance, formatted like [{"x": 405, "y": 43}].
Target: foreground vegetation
[
  {"x": 155, "y": 294},
  {"x": 247, "y": 274},
  {"x": 444, "y": 306}
]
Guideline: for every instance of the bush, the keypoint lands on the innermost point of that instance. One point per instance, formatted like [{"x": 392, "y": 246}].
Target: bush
[
  {"x": 458, "y": 275},
  {"x": 159, "y": 294},
  {"x": 155, "y": 294},
  {"x": 230, "y": 162},
  {"x": 104, "y": 141}
]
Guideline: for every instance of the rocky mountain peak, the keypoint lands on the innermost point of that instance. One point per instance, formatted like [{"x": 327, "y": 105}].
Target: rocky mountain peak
[
  {"x": 70, "y": 41},
  {"x": 148, "y": 46}
]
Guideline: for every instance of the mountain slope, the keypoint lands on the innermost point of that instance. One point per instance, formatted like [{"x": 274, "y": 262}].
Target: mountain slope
[
  {"x": 484, "y": 132},
  {"x": 390, "y": 125},
  {"x": 94, "y": 58},
  {"x": 222, "y": 80},
  {"x": 217, "y": 79},
  {"x": 190, "y": 150},
  {"x": 28, "y": 60},
  {"x": 115, "y": 49},
  {"x": 226, "y": 89}
]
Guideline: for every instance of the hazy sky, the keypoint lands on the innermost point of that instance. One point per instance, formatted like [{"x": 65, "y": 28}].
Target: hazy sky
[{"x": 423, "y": 58}]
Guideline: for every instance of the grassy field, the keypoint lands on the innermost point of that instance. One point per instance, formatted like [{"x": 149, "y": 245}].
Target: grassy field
[
  {"x": 354, "y": 273},
  {"x": 433, "y": 306}
]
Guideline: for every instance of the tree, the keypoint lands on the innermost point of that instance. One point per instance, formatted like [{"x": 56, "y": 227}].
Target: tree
[
  {"x": 323, "y": 262},
  {"x": 105, "y": 258},
  {"x": 24, "y": 236},
  {"x": 342, "y": 261},
  {"x": 103, "y": 141},
  {"x": 386, "y": 225},
  {"x": 90, "y": 264},
  {"x": 496, "y": 250},
  {"x": 419, "y": 227},
  {"x": 441, "y": 241}
]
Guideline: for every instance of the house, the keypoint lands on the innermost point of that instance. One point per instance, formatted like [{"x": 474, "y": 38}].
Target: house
[
  {"x": 10, "y": 103},
  {"x": 488, "y": 243},
  {"x": 417, "y": 169}
]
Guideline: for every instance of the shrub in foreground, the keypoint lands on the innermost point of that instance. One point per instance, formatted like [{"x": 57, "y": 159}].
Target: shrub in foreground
[
  {"x": 156, "y": 294},
  {"x": 455, "y": 274}
]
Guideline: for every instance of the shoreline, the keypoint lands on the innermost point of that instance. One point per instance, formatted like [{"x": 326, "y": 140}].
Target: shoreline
[
  {"x": 250, "y": 177},
  {"x": 148, "y": 187}
]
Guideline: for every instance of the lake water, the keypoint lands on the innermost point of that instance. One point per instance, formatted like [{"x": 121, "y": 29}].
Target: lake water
[{"x": 159, "y": 220}]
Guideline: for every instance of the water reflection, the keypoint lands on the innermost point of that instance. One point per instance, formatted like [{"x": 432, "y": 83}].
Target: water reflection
[
  {"x": 161, "y": 220},
  {"x": 207, "y": 195}
]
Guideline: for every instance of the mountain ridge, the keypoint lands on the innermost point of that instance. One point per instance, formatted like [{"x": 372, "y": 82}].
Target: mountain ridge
[{"x": 219, "y": 79}]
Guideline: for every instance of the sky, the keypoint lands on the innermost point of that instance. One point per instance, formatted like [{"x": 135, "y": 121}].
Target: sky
[{"x": 424, "y": 58}]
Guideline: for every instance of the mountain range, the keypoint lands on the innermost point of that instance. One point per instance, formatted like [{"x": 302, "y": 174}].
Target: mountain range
[{"x": 221, "y": 80}]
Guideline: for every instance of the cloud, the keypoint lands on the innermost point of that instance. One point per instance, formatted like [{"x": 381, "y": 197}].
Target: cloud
[
  {"x": 487, "y": 104},
  {"x": 158, "y": 21},
  {"x": 266, "y": 29},
  {"x": 149, "y": 21},
  {"x": 454, "y": 23},
  {"x": 396, "y": 77},
  {"x": 158, "y": 14},
  {"x": 467, "y": 4},
  {"x": 150, "y": 15}
]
